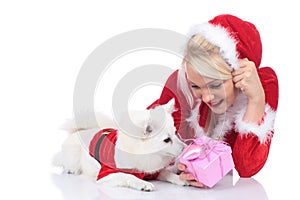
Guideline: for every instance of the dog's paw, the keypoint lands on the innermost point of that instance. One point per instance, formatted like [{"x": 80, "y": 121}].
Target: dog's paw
[
  {"x": 171, "y": 177},
  {"x": 180, "y": 182},
  {"x": 120, "y": 179},
  {"x": 147, "y": 186},
  {"x": 139, "y": 184}
]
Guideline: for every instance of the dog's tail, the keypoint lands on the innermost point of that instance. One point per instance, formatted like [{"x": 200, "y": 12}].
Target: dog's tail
[
  {"x": 86, "y": 121},
  {"x": 74, "y": 156}
]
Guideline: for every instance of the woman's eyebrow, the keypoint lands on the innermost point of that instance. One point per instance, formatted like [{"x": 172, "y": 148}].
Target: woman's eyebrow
[{"x": 205, "y": 84}]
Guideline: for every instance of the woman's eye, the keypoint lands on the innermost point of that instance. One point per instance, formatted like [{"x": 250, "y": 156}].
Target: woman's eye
[
  {"x": 215, "y": 86},
  {"x": 195, "y": 86}
]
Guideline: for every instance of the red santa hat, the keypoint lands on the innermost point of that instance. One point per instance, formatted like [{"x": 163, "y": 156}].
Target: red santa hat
[{"x": 236, "y": 38}]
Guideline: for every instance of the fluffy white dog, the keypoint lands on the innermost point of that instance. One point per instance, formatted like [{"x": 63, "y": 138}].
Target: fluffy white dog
[{"x": 142, "y": 146}]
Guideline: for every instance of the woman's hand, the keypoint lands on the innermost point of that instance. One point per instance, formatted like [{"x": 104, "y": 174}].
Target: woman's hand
[
  {"x": 188, "y": 177},
  {"x": 246, "y": 78}
]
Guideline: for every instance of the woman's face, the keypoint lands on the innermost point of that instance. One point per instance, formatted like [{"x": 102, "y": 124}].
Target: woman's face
[{"x": 219, "y": 95}]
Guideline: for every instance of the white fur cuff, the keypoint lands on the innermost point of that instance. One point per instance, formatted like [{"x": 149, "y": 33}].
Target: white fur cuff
[{"x": 262, "y": 131}]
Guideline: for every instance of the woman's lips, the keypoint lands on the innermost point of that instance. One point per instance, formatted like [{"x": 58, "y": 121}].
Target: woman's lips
[{"x": 215, "y": 103}]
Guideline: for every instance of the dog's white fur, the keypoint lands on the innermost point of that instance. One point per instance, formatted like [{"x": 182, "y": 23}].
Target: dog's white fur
[{"x": 151, "y": 146}]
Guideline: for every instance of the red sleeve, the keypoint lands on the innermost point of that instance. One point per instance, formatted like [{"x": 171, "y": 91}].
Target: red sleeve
[
  {"x": 183, "y": 110},
  {"x": 252, "y": 142}
]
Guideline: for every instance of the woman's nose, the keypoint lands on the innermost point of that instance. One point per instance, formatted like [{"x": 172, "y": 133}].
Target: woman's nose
[{"x": 207, "y": 96}]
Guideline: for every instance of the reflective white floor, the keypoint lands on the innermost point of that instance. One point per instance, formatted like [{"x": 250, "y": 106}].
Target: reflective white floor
[{"x": 73, "y": 188}]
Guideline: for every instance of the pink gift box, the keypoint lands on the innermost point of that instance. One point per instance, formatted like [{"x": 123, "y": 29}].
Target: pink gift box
[{"x": 208, "y": 160}]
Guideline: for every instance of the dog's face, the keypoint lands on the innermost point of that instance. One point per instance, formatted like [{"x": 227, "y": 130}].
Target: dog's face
[{"x": 149, "y": 142}]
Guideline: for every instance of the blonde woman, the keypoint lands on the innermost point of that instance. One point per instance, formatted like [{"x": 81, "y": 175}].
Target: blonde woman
[{"x": 222, "y": 92}]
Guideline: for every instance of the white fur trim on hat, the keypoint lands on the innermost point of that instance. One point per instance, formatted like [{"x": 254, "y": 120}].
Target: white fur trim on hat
[
  {"x": 218, "y": 36},
  {"x": 263, "y": 131}
]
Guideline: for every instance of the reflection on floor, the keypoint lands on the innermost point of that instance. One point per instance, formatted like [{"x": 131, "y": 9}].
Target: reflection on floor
[{"x": 82, "y": 188}]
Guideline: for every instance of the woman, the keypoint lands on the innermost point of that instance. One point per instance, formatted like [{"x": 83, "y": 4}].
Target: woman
[{"x": 220, "y": 91}]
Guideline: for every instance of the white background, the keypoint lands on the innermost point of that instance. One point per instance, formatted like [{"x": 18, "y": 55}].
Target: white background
[{"x": 43, "y": 45}]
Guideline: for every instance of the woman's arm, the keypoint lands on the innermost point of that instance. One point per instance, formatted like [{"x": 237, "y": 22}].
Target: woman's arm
[
  {"x": 252, "y": 139},
  {"x": 246, "y": 78}
]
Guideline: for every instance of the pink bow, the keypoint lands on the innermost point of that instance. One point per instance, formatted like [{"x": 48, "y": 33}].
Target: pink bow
[{"x": 201, "y": 147}]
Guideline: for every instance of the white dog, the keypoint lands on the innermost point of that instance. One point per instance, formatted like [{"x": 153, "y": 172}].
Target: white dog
[{"x": 145, "y": 146}]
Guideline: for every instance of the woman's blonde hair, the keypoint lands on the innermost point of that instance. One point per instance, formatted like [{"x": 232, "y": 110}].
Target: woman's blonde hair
[{"x": 205, "y": 58}]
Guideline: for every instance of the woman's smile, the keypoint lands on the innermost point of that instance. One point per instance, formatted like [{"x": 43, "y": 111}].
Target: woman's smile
[{"x": 215, "y": 104}]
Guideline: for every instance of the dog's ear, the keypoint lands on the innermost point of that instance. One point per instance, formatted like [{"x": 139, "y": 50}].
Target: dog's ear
[
  {"x": 148, "y": 129},
  {"x": 170, "y": 106}
]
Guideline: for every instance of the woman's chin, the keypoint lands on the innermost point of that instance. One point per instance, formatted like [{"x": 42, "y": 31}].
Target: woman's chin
[{"x": 221, "y": 109}]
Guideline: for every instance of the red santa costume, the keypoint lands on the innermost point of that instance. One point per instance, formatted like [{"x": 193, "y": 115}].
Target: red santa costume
[
  {"x": 250, "y": 142},
  {"x": 102, "y": 148}
]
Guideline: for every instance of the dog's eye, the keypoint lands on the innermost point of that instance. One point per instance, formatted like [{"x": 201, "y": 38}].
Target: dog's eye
[{"x": 167, "y": 140}]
